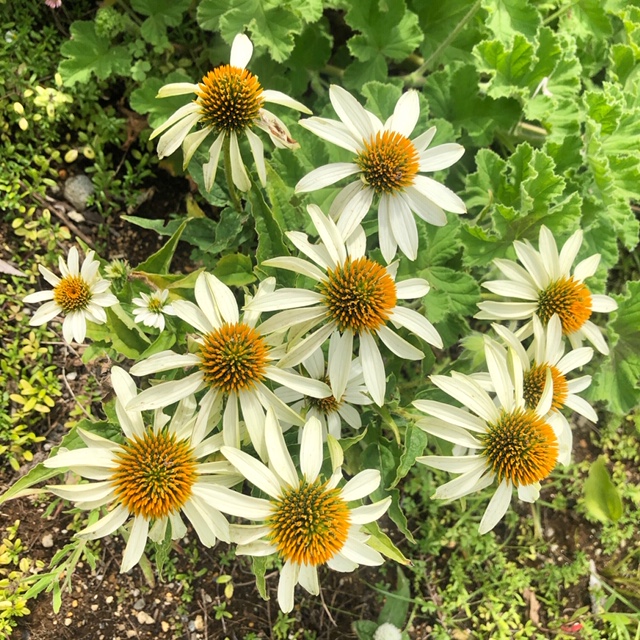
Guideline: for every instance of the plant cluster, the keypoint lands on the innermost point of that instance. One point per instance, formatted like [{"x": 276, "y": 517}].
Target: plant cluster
[{"x": 283, "y": 387}]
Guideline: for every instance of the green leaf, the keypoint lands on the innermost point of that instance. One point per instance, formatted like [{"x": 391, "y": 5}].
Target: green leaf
[
  {"x": 381, "y": 97},
  {"x": 89, "y": 53},
  {"x": 270, "y": 233},
  {"x": 601, "y": 497},
  {"x": 508, "y": 18},
  {"x": 415, "y": 440},
  {"x": 381, "y": 542},
  {"x": 388, "y": 29},
  {"x": 162, "y": 13},
  {"x": 259, "y": 569},
  {"x": 164, "y": 341},
  {"x": 616, "y": 381},
  {"x": 125, "y": 335},
  {"x": 396, "y": 607},
  {"x": 587, "y": 20},
  {"x": 235, "y": 269},
  {"x": 365, "y": 629},
  {"x": 144, "y": 100},
  {"x": 452, "y": 293},
  {"x": 160, "y": 261}
]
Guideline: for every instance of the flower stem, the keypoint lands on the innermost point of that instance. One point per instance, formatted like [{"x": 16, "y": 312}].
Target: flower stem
[{"x": 233, "y": 192}]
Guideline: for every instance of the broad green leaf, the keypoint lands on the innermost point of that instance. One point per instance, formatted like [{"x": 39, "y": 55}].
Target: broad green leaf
[
  {"x": 601, "y": 497},
  {"x": 235, "y": 269},
  {"x": 381, "y": 542},
  {"x": 415, "y": 440},
  {"x": 587, "y": 20},
  {"x": 387, "y": 29},
  {"x": 270, "y": 233},
  {"x": 160, "y": 261},
  {"x": 365, "y": 629},
  {"x": 381, "y": 97},
  {"x": 125, "y": 335},
  {"x": 162, "y": 13},
  {"x": 164, "y": 341},
  {"x": 396, "y": 607},
  {"x": 359, "y": 73},
  {"x": 275, "y": 28},
  {"x": 89, "y": 53},
  {"x": 508, "y": 18},
  {"x": 616, "y": 381},
  {"x": 259, "y": 569},
  {"x": 144, "y": 100},
  {"x": 452, "y": 293}
]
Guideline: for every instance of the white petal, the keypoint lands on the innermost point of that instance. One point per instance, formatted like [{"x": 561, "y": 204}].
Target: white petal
[
  {"x": 370, "y": 512},
  {"x": 424, "y": 139},
  {"x": 372, "y": 368},
  {"x": 305, "y": 348},
  {"x": 388, "y": 244},
  {"x": 454, "y": 464},
  {"x": 496, "y": 508},
  {"x": 351, "y": 112},
  {"x": 341, "y": 564},
  {"x": 212, "y": 293},
  {"x": 332, "y": 131},
  {"x": 441, "y": 157},
  {"x": 48, "y": 311},
  {"x": 254, "y": 419},
  {"x": 311, "y": 451},
  {"x": 603, "y": 304},
  {"x": 422, "y": 206},
  {"x": 581, "y": 406},
  {"x": 308, "y": 579},
  {"x": 241, "y": 51},
  {"x": 329, "y": 234},
  {"x": 166, "y": 393},
  {"x": 238, "y": 171},
  {"x": 404, "y": 227},
  {"x": 340, "y": 354},
  {"x": 286, "y": 585},
  {"x": 191, "y": 143},
  {"x": 587, "y": 267},
  {"x": 306, "y": 386},
  {"x": 257, "y": 150},
  {"x": 287, "y": 298},
  {"x": 177, "y": 89},
  {"x": 102, "y": 491},
  {"x": 279, "y": 457},
  {"x": 469, "y": 393},
  {"x": 233, "y": 502},
  {"x": 175, "y": 136},
  {"x": 210, "y": 168},
  {"x": 506, "y": 310},
  {"x": 398, "y": 345},
  {"x": 511, "y": 289},
  {"x": 361, "y": 553},
  {"x": 361, "y": 485},
  {"x": 532, "y": 262},
  {"x": 355, "y": 209},
  {"x": 574, "y": 359},
  {"x": 569, "y": 252},
  {"x": 464, "y": 485},
  {"x": 136, "y": 544},
  {"x": 39, "y": 296},
  {"x": 549, "y": 253},
  {"x": 454, "y": 415},
  {"x": 497, "y": 365},
  {"x": 418, "y": 324},
  {"x": 412, "y": 288},
  {"x": 579, "y": 384},
  {"x": 164, "y": 361},
  {"x": 253, "y": 470},
  {"x": 326, "y": 175},
  {"x": 594, "y": 335},
  {"x": 107, "y": 525},
  {"x": 405, "y": 114},
  {"x": 439, "y": 194},
  {"x": 277, "y": 97}
]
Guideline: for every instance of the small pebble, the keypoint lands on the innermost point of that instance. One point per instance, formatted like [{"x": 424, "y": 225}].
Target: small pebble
[
  {"x": 67, "y": 622},
  {"x": 47, "y": 541},
  {"x": 199, "y": 623},
  {"x": 109, "y": 599},
  {"x": 145, "y": 618},
  {"x": 138, "y": 605},
  {"x": 165, "y": 626}
]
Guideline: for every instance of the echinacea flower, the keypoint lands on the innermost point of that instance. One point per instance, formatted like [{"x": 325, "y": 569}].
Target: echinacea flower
[
  {"x": 547, "y": 353},
  {"x": 233, "y": 361},
  {"x": 548, "y": 287},
  {"x": 511, "y": 444},
  {"x": 387, "y": 164},
  {"x": 331, "y": 411},
  {"x": 150, "y": 308},
  {"x": 80, "y": 294},
  {"x": 229, "y": 103},
  {"x": 305, "y": 519},
  {"x": 153, "y": 477},
  {"x": 354, "y": 297}
]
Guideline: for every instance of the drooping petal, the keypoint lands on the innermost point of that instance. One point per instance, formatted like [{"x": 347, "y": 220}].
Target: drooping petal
[
  {"x": 136, "y": 543},
  {"x": 496, "y": 508}
]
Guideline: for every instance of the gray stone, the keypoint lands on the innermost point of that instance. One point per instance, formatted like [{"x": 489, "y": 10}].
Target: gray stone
[{"x": 77, "y": 191}]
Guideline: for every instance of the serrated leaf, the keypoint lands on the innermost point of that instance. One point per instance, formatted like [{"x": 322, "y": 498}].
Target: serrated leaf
[
  {"x": 160, "y": 261},
  {"x": 89, "y": 53},
  {"x": 616, "y": 381},
  {"x": 587, "y": 20},
  {"x": 601, "y": 497},
  {"x": 168, "y": 11},
  {"x": 387, "y": 29},
  {"x": 359, "y": 73},
  {"x": 508, "y": 18},
  {"x": 275, "y": 28},
  {"x": 452, "y": 293},
  {"x": 381, "y": 97}
]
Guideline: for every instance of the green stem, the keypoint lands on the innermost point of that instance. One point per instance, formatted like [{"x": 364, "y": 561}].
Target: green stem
[
  {"x": 417, "y": 76},
  {"x": 233, "y": 192},
  {"x": 558, "y": 12}
]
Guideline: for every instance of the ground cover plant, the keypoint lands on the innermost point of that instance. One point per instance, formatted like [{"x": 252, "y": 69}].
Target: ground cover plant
[{"x": 342, "y": 338}]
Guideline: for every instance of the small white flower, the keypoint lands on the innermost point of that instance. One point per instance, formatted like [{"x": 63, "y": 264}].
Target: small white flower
[
  {"x": 229, "y": 103},
  {"x": 151, "y": 308},
  {"x": 331, "y": 411},
  {"x": 548, "y": 287},
  {"x": 151, "y": 478},
  {"x": 512, "y": 445},
  {"x": 387, "y": 631},
  {"x": 233, "y": 362},
  {"x": 355, "y": 298},
  {"x": 80, "y": 294},
  {"x": 387, "y": 164},
  {"x": 326, "y": 531}
]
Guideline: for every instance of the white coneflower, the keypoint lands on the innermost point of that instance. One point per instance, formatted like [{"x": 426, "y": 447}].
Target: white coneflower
[
  {"x": 233, "y": 362},
  {"x": 152, "y": 478},
  {"x": 355, "y": 297},
  {"x": 306, "y": 520},
  {"x": 229, "y": 103},
  {"x": 80, "y": 295},
  {"x": 150, "y": 308},
  {"x": 548, "y": 287},
  {"x": 387, "y": 164},
  {"x": 512, "y": 445}
]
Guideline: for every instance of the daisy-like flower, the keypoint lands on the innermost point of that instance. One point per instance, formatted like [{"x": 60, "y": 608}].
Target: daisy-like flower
[
  {"x": 331, "y": 411},
  {"x": 152, "y": 478},
  {"x": 306, "y": 520},
  {"x": 233, "y": 361},
  {"x": 80, "y": 294},
  {"x": 512, "y": 444},
  {"x": 353, "y": 297},
  {"x": 547, "y": 353},
  {"x": 548, "y": 287},
  {"x": 387, "y": 164},
  {"x": 151, "y": 307},
  {"x": 229, "y": 102}
]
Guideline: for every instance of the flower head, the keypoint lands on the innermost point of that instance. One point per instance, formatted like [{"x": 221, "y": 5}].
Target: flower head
[
  {"x": 513, "y": 445},
  {"x": 354, "y": 298},
  {"x": 548, "y": 288},
  {"x": 229, "y": 103},
  {"x": 388, "y": 166},
  {"x": 307, "y": 520},
  {"x": 233, "y": 362},
  {"x": 80, "y": 295},
  {"x": 150, "y": 308},
  {"x": 152, "y": 477}
]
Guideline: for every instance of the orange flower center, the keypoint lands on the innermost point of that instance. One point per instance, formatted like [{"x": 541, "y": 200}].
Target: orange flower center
[
  {"x": 324, "y": 405},
  {"x": 534, "y": 381},
  {"x": 570, "y": 299},
  {"x": 389, "y": 162},
  {"x": 520, "y": 447},
  {"x": 234, "y": 357},
  {"x": 360, "y": 295},
  {"x": 310, "y": 523},
  {"x": 155, "y": 474},
  {"x": 72, "y": 294},
  {"x": 230, "y": 98}
]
